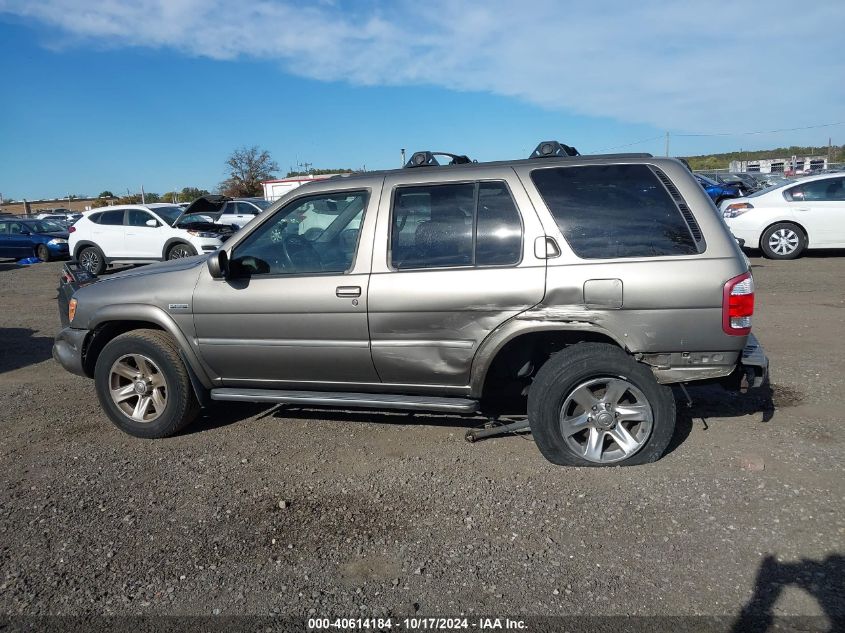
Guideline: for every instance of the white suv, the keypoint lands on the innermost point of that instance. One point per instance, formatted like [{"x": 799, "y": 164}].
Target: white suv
[
  {"x": 239, "y": 211},
  {"x": 138, "y": 234}
]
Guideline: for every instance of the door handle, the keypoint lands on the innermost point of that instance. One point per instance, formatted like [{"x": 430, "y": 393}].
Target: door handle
[{"x": 348, "y": 291}]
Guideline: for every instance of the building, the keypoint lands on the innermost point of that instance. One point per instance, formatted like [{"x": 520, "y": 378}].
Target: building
[
  {"x": 275, "y": 189},
  {"x": 33, "y": 207},
  {"x": 791, "y": 165}
]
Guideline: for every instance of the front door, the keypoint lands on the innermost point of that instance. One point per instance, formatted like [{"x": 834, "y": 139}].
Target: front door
[
  {"x": 460, "y": 263},
  {"x": 143, "y": 241},
  {"x": 819, "y": 205},
  {"x": 293, "y": 311}
]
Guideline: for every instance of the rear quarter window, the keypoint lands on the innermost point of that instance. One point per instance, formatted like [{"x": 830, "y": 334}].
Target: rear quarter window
[{"x": 614, "y": 211}]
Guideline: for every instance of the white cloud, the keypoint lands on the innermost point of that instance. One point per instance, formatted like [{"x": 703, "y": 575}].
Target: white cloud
[{"x": 712, "y": 67}]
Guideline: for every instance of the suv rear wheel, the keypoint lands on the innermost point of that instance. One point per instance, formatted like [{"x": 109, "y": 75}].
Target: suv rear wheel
[
  {"x": 143, "y": 384},
  {"x": 593, "y": 405},
  {"x": 92, "y": 259}
]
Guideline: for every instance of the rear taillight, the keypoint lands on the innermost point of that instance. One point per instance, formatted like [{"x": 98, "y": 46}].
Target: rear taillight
[
  {"x": 738, "y": 305},
  {"x": 71, "y": 229}
]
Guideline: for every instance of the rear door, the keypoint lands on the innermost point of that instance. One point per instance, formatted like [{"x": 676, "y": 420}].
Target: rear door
[
  {"x": 452, "y": 262},
  {"x": 109, "y": 233}
]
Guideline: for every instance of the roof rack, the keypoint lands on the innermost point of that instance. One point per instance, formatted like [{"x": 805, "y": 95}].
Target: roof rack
[
  {"x": 553, "y": 149},
  {"x": 427, "y": 159}
]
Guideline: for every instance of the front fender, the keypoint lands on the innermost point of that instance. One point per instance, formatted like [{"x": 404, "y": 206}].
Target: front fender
[{"x": 153, "y": 314}]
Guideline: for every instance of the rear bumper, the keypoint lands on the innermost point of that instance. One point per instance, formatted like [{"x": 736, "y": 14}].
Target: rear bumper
[
  {"x": 68, "y": 347},
  {"x": 746, "y": 369},
  {"x": 754, "y": 363}
]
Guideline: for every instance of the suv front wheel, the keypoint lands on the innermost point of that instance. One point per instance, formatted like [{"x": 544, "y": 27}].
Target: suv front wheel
[
  {"x": 143, "y": 385},
  {"x": 593, "y": 405}
]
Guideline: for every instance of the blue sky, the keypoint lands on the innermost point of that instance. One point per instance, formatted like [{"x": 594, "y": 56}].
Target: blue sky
[{"x": 108, "y": 94}]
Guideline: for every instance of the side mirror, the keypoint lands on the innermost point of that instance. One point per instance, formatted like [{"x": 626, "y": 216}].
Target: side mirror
[
  {"x": 152, "y": 223},
  {"x": 218, "y": 264}
]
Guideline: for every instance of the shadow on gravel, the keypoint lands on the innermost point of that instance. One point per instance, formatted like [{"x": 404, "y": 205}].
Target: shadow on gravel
[
  {"x": 824, "y": 580},
  {"x": 222, "y": 414},
  {"x": 712, "y": 401},
  {"x": 21, "y": 349},
  {"x": 379, "y": 417},
  {"x": 8, "y": 265},
  {"x": 816, "y": 253}
]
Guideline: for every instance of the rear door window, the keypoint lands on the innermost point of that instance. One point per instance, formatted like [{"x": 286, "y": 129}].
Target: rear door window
[
  {"x": 111, "y": 218},
  {"x": 449, "y": 225},
  {"x": 614, "y": 211}
]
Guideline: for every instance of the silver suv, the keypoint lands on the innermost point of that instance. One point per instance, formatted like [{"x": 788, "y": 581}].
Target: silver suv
[{"x": 578, "y": 288}]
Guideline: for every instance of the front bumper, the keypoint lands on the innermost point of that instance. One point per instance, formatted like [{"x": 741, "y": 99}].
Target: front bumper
[{"x": 68, "y": 348}]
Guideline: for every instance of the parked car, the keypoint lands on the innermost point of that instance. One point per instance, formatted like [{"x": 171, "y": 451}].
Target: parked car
[
  {"x": 716, "y": 191},
  {"x": 44, "y": 239},
  {"x": 744, "y": 183},
  {"x": 578, "y": 288},
  {"x": 239, "y": 211},
  {"x": 138, "y": 234},
  {"x": 785, "y": 220}
]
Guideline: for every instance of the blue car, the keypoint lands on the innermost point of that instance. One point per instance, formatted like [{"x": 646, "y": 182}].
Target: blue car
[
  {"x": 44, "y": 239},
  {"x": 717, "y": 191}
]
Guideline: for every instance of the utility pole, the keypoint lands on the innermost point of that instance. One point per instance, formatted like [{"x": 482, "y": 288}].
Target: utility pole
[
  {"x": 403, "y": 156},
  {"x": 667, "y": 144},
  {"x": 143, "y": 200}
]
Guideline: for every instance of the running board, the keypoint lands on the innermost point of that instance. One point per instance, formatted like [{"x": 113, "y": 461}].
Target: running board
[{"x": 342, "y": 399}]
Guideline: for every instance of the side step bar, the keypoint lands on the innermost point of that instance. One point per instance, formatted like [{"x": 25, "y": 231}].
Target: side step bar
[{"x": 342, "y": 399}]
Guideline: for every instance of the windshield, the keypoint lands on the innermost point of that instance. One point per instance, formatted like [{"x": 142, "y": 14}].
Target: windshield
[
  {"x": 168, "y": 214},
  {"x": 47, "y": 226},
  {"x": 706, "y": 181}
]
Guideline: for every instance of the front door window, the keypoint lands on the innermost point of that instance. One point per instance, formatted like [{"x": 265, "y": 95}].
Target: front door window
[{"x": 313, "y": 235}]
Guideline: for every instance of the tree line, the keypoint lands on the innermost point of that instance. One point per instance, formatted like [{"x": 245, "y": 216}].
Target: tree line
[{"x": 246, "y": 168}]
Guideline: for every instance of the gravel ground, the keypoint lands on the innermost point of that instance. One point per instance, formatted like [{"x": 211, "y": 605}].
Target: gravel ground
[{"x": 397, "y": 514}]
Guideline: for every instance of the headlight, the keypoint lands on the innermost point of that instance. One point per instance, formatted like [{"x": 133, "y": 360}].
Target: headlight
[
  {"x": 202, "y": 233},
  {"x": 737, "y": 209},
  {"x": 56, "y": 241}
]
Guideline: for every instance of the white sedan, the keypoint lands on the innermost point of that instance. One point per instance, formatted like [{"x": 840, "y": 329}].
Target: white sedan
[{"x": 786, "y": 219}]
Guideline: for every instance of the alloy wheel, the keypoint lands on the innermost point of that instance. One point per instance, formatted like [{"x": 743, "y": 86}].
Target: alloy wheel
[
  {"x": 89, "y": 260},
  {"x": 606, "y": 420},
  {"x": 137, "y": 387}
]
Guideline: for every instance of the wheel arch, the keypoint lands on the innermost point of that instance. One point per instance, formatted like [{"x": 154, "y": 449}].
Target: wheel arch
[
  {"x": 173, "y": 241},
  {"x": 84, "y": 244},
  {"x": 519, "y": 343},
  {"x": 112, "y": 321},
  {"x": 783, "y": 221}
]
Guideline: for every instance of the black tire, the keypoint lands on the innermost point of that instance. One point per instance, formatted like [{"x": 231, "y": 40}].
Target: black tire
[
  {"x": 582, "y": 363},
  {"x": 792, "y": 241},
  {"x": 180, "y": 407},
  {"x": 181, "y": 250},
  {"x": 42, "y": 252},
  {"x": 92, "y": 259}
]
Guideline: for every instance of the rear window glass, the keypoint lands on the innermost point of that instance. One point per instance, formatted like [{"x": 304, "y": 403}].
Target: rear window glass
[{"x": 614, "y": 211}]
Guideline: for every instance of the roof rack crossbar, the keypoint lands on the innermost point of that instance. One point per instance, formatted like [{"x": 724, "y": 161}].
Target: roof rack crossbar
[
  {"x": 553, "y": 149},
  {"x": 427, "y": 159}
]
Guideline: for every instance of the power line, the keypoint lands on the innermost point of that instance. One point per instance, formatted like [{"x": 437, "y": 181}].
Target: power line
[
  {"x": 645, "y": 140},
  {"x": 791, "y": 129}
]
